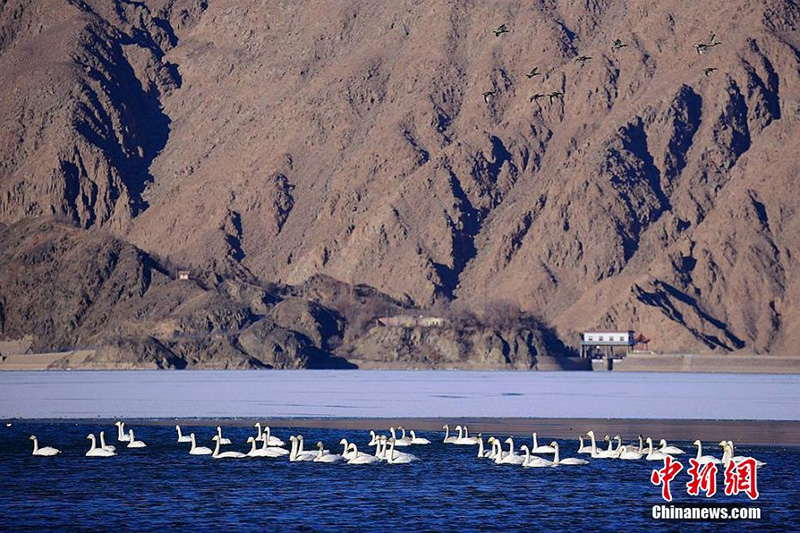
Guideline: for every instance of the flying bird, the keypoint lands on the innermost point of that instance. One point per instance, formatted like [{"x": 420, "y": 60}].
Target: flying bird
[
  {"x": 709, "y": 70},
  {"x": 702, "y": 48},
  {"x": 534, "y": 72},
  {"x": 555, "y": 94},
  {"x": 487, "y": 95},
  {"x": 713, "y": 41},
  {"x": 583, "y": 59},
  {"x": 537, "y": 96},
  {"x": 501, "y": 30},
  {"x": 618, "y": 44}
]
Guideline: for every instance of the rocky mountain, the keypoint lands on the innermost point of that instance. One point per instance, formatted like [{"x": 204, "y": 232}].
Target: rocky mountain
[{"x": 406, "y": 149}]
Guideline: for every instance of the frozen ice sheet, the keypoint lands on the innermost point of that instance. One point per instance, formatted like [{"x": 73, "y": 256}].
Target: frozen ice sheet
[{"x": 336, "y": 393}]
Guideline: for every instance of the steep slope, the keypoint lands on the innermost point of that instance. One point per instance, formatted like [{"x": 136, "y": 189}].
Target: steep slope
[{"x": 264, "y": 142}]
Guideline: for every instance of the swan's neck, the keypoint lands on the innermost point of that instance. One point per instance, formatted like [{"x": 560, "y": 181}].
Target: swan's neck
[
  {"x": 649, "y": 447},
  {"x": 267, "y": 433},
  {"x": 610, "y": 446},
  {"x": 726, "y": 454},
  {"x": 510, "y": 446},
  {"x": 699, "y": 449},
  {"x": 300, "y": 445},
  {"x": 216, "y": 448},
  {"x": 460, "y": 432},
  {"x": 466, "y": 432},
  {"x": 120, "y": 432},
  {"x": 94, "y": 444},
  {"x": 258, "y": 427},
  {"x": 498, "y": 451},
  {"x": 253, "y": 446},
  {"x": 619, "y": 445},
  {"x": 580, "y": 438},
  {"x": 641, "y": 445},
  {"x": 345, "y": 447},
  {"x": 391, "y": 453},
  {"x": 403, "y": 434},
  {"x": 180, "y": 433},
  {"x": 527, "y": 457},
  {"x": 194, "y": 444},
  {"x": 535, "y": 442},
  {"x": 594, "y": 443},
  {"x": 35, "y": 445},
  {"x": 102, "y": 440},
  {"x": 555, "y": 456},
  {"x": 480, "y": 447},
  {"x": 446, "y": 432}
]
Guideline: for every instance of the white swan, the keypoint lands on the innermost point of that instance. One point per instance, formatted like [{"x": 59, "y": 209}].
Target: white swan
[
  {"x": 627, "y": 454},
  {"x": 384, "y": 455},
  {"x": 47, "y": 451},
  {"x": 728, "y": 451},
  {"x": 103, "y": 444},
  {"x": 220, "y": 438},
  {"x": 296, "y": 454},
  {"x": 511, "y": 457},
  {"x": 347, "y": 453},
  {"x": 599, "y": 454},
  {"x": 653, "y": 455},
  {"x": 197, "y": 450},
  {"x": 703, "y": 459},
  {"x": 133, "y": 443},
  {"x": 256, "y": 452},
  {"x": 463, "y": 438},
  {"x": 531, "y": 461},
  {"x": 540, "y": 449},
  {"x": 618, "y": 449},
  {"x": 360, "y": 458},
  {"x": 94, "y": 451},
  {"x": 447, "y": 438},
  {"x": 181, "y": 436},
  {"x": 669, "y": 450},
  {"x": 323, "y": 457},
  {"x": 399, "y": 442},
  {"x": 568, "y": 461},
  {"x": 394, "y": 458},
  {"x": 272, "y": 440},
  {"x": 122, "y": 436},
  {"x": 224, "y": 455},
  {"x": 583, "y": 448},
  {"x": 482, "y": 453},
  {"x": 418, "y": 440}
]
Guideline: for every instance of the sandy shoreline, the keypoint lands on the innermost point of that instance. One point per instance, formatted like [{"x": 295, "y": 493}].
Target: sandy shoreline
[{"x": 743, "y": 432}]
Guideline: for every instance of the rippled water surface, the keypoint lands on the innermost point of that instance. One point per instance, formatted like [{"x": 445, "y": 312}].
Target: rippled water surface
[{"x": 448, "y": 489}]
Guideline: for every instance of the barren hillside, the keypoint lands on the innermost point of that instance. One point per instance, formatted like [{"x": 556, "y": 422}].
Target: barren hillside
[{"x": 403, "y": 147}]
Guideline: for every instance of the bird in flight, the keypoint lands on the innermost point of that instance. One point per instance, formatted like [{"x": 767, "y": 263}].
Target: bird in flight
[
  {"x": 537, "y": 96},
  {"x": 487, "y": 95},
  {"x": 709, "y": 70},
  {"x": 534, "y": 72},
  {"x": 582, "y": 59},
  {"x": 702, "y": 48},
  {"x": 501, "y": 30},
  {"x": 555, "y": 94},
  {"x": 618, "y": 44}
]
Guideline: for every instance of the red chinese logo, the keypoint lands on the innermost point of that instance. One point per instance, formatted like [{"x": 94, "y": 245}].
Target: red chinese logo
[
  {"x": 704, "y": 477},
  {"x": 665, "y": 475},
  {"x": 741, "y": 477}
]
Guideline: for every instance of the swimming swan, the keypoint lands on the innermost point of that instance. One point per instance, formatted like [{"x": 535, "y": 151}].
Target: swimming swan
[
  {"x": 323, "y": 457},
  {"x": 296, "y": 455},
  {"x": 399, "y": 442},
  {"x": 447, "y": 438},
  {"x": 669, "y": 450},
  {"x": 394, "y": 459},
  {"x": 122, "y": 436},
  {"x": 569, "y": 460},
  {"x": 347, "y": 452},
  {"x": 133, "y": 443},
  {"x": 384, "y": 454},
  {"x": 266, "y": 434},
  {"x": 418, "y": 440},
  {"x": 94, "y": 451},
  {"x": 47, "y": 451},
  {"x": 512, "y": 457},
  {"x": 482, "y": 454},
  {"x": 627, "y": 454},
  {"x": 531, "y": 461},
  {"x": 197, "y": 450},
  {"x": 703, "y": 459},
  {"x": 220, "y": 438},
  {"x": 256, "y": 452},
  {"x": 598, "y": 454},
  {"x": 360, "y": 458},
  {"x": 463, "y": 438},
  {"x": 653, "y": 455},
  {"x": 728, "y": 451},
  {"x": 224, "y": 455},
  {"x": 582, "y": 448},
  {"x": 103, "y": 444},
  {"x": 181, "y": 436},
  {"x": 540, "y": 449}
]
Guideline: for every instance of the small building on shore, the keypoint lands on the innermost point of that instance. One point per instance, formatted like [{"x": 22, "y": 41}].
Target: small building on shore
[
  {"x": 183, "y": 275},
  {"x": 603, "y": 343}
]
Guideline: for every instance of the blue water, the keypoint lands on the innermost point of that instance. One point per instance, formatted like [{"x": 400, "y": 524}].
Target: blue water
[
  {"x": 448, "y": 489},
  {"x": 415, "y": 394}
]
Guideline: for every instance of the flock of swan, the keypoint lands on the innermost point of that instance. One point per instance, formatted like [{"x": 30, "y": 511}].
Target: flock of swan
[{"x": 266, "y": 445}]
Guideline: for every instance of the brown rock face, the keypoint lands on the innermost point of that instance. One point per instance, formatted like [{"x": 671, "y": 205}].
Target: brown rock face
[{"x": 260, "y": 142}]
